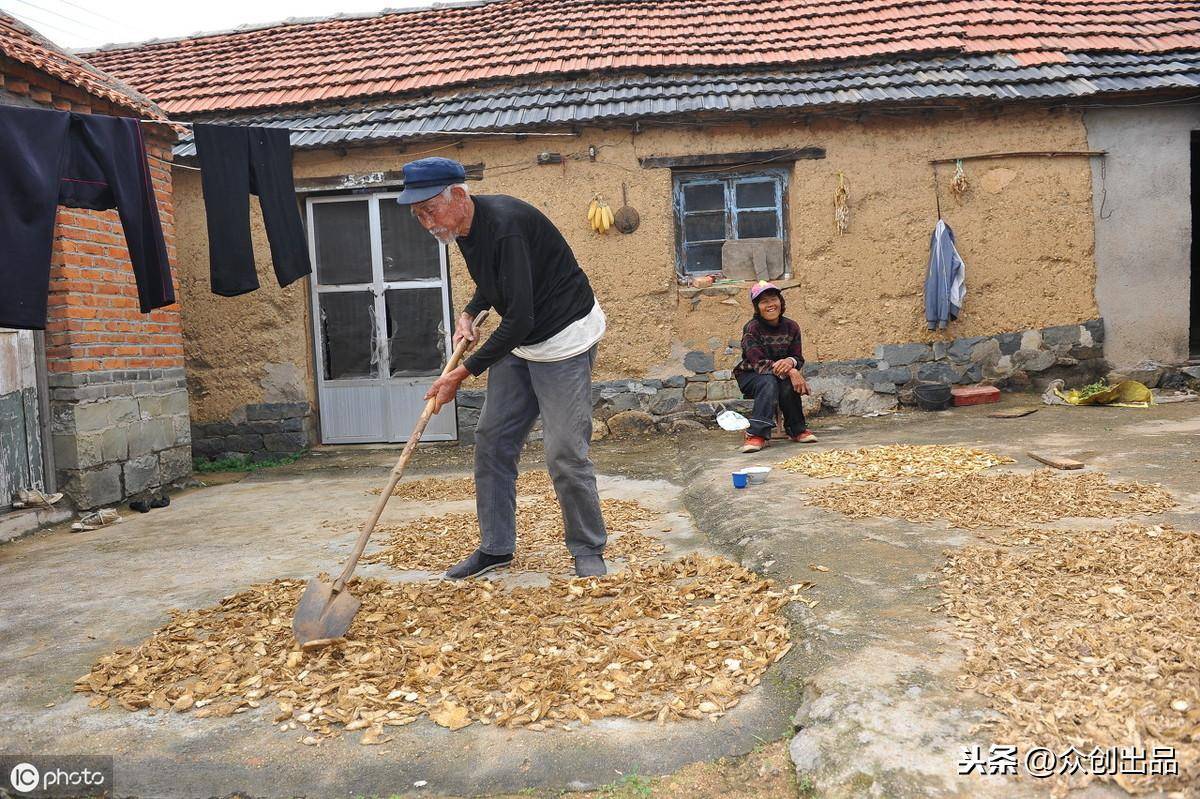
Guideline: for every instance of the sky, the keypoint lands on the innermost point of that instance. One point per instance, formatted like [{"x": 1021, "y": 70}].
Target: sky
[{"x": 88, "y": 24}]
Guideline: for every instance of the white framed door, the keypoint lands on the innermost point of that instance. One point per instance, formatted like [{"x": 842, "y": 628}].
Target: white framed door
[{"x": 381, "y": 317}]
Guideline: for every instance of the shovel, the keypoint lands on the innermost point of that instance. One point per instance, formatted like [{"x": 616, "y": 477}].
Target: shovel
[{"x": 326, "y": 609}]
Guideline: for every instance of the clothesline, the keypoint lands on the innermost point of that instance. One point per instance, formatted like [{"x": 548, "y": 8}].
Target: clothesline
[
  {"x": 197, "y": 169},
  {"x": 354, "y": 130},
  {"x": 375, "y": 128},
  {"x": 173, "y": 164}
]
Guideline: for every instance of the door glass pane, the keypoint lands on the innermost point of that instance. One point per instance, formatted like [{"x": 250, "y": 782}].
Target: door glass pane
[
  {"x": 703, "y": 257},
  {"x": 756, "y": 194},
  {"x": 343, "y": 236},
  {"x": 409, "y": 252},
  {"x": 414, "y": 330},
  {"x": 704, "y": 196},
  {"x": 757, "y": 225},
  {"x": 348, "y": 334},
  {"x": 704, "y": 227}
]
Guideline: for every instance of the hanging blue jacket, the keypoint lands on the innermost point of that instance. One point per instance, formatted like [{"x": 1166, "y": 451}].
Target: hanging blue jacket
[{"x": 946, "y": 281}]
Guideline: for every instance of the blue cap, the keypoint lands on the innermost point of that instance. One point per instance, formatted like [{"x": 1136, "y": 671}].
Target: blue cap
[{"x": 429, "y": 176}]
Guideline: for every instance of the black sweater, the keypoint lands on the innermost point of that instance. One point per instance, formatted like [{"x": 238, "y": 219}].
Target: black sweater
[{"x": 524, "y": 269}]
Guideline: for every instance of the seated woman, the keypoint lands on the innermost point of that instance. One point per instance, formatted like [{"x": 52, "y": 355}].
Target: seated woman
[{"x": 770, "y": 369}]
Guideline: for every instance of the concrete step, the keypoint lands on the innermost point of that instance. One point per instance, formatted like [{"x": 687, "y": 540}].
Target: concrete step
[{"x": 22, "y": 521}]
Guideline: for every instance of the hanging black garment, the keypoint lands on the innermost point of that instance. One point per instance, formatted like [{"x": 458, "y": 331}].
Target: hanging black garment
[
  {"x": 236, "y": 162},
  {"x": 51, "y": 158}
]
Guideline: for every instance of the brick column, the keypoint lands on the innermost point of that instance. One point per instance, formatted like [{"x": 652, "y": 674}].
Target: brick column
[{"x": 119, "y": 403}]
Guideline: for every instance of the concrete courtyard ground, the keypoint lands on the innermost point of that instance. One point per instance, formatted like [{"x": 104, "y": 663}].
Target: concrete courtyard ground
[{"x": 863, "y": 705}]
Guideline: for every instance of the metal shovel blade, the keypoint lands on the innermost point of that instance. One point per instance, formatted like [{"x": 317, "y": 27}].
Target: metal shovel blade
[{"x": 322, "y": 613}]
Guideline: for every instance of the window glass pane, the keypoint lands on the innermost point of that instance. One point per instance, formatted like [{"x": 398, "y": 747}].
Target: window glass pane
[
  {"x": 702, "y": 257},
  {"x": 757, "y": 225},
  {"x": 704, "y": 196},
  {"x": 348, "y": 334},
  {"x": 704, "y": 227},
  {"x": 409, "y": 252},
  {"x": 756, "y": 194},
  {"x": 414, "y": 329},
  {"x": 343, "y": 236}
]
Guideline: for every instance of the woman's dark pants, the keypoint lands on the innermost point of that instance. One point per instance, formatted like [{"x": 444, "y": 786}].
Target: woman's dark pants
[{"x": 770, "y": 393}]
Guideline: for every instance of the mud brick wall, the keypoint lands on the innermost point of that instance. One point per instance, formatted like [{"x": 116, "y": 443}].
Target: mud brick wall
[{"x": 1025, "y": 223}]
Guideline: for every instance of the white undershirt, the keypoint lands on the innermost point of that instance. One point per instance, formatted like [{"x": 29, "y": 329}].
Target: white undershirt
[{"x": 577, "y": 337}]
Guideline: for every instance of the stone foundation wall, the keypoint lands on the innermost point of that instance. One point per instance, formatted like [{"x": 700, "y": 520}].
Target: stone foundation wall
[
  {"x": 1028, "y": 359},
  {"x": 119, "y": 433},
  {"x": 262, "y": 431}
]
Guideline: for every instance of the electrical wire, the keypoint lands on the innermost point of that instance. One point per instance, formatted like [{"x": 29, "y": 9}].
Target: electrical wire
[
  {"x": 45, "y": 10},
  {"x": 1104, "y": 190},
  {"x": 504, "y": 170},
  {"x": 1192, "y": 99},
  {"x": 37, "y": 24},
  {"x": 506, "y": 166},
  {"x": 88, "y": 26},
  {"x": 524, "y": 166},
  {"x": 434, "y": 150},
  {"x": 124, "y": 25},
  {"x": 514, "y": 171}
]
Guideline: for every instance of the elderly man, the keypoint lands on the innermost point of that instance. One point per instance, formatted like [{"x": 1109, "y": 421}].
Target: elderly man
[{"x": 539, "y": 359}]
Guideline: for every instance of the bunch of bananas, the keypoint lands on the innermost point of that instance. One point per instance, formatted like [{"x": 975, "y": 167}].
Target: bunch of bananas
[{"x": 600, "y": 216}]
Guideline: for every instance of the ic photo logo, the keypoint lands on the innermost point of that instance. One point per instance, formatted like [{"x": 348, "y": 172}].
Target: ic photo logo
[
  {"x": 24, "y": 777},
  {"x": 56, "y": 776}
]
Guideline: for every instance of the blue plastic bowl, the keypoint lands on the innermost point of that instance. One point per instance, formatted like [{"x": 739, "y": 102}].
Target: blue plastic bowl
[{"x": 740, "y": 479}]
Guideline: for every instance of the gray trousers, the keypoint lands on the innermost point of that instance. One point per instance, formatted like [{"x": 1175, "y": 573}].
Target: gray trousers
[{"x": 517, "y": 391}]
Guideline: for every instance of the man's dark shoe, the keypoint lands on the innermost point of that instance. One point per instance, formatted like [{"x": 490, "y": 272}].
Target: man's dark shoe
[
  {"x": 590, "y": 566},
  {"x": 160, "y": 501},
  {"x": 477, "y": 563}
]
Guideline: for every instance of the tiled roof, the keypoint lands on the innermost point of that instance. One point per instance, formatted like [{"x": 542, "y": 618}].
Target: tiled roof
[
  {"x": 622, "y": 97},
  {"x": 393, "y": 53},
  {"x": 22, "y": 44}
]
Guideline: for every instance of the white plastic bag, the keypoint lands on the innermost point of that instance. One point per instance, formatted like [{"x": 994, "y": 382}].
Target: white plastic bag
[{"x": 732, "y": 420}]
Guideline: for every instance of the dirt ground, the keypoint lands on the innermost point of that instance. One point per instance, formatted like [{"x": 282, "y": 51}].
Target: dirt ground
[
  {"x": 765, "y": 772},
  {"x": 864, "y": 704}
]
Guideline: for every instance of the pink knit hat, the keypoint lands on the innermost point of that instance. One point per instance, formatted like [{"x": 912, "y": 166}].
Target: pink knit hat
[{"x": 761, "y": 286}]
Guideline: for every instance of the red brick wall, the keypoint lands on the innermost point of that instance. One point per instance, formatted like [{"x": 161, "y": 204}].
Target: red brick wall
[{"x": 94, "y": 323}]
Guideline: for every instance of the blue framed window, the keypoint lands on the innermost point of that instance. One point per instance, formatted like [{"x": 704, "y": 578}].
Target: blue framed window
[{"x": 713, "y": 208}]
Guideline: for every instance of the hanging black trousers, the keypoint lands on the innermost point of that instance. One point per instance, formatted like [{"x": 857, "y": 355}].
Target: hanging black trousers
[
  {"x": 236, "y": 162},
  {"x": 52, "y": 158}
]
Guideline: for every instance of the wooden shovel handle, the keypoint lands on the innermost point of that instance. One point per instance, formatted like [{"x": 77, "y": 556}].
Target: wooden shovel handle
[{"x": 398, "y": 469}]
